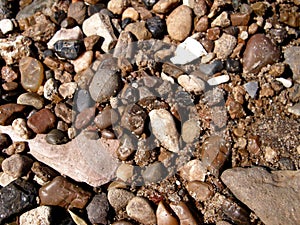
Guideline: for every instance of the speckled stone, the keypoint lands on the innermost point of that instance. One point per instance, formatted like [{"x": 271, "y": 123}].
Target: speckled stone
[
  {"x": 69, "y": 49},
  {"x": 117, "y": 6},
  {"x": 40, "y": 215},
  {"x": 97, "y": 209},
  {"x": 83, "y": 61},
  {"x": 42, "y": 121},
  {"x": 119, "y": 198},
  {"x": 74, "y": 33},
  {"x": 17, "y": 165},
  {"x": 139, "y": 30},
  {"x": 224, "y": 46},
  {"x": 20, "y": 128}
]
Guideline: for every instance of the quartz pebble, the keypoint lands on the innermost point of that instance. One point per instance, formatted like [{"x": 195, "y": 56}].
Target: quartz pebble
[
  {"x": 97, "y": 209},
  {"x": 67, "y": 90},
  {"x": 164, "y": 216},
  {"x": 291, "y": 56},
  {"x": 40, "y": 215},
  {"x": 163, "y": 128},
  {"x": 42, "y": 121},
  {"x": 194, "y": 170},
  {"x": 61, "y": 192},
  {"x": 17, "y": 165},
  {"x": 6, "y": 26},
  {"x": 285, "y": 82},
  {"x": 56, "y": 137},
  {"x": 259, "y": 52},
  {"x": 31, "y": 99},
  {"x": 200, "y": 191},
  {"x": 125, "y": 172},
  {"x": 119, "y": 198},
  {"x": 251, "y": 88},
  {"x": 74, "y": 33},
  {"x": 83, "y": 61},
  {"x": 191, "y": 83},
  {"x": 179, "y": 23},
  {"x": 32, "y": 73},
  {"x": 188, "y": 51},
  {"x": 221, "y": 21},
  {"x": 8, "y": 74},
  {"x": 218, "y": 80},
  {"x": 20, "y": 128},
  {"x": 139, "y": 209},
  {"x": 8, "y": 112},
  {"x": 224, "y": 45},
  {"x": 51, "y": 89},
  {"x": 69, "y": 49}
]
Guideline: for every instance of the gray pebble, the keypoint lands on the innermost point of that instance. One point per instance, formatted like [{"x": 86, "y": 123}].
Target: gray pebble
[
  {"x": 251, "y": 88},
  {"x": 97, "y": 209},
  {"x": 119, "y": 198},
  {"x": 154, "y": 173}
]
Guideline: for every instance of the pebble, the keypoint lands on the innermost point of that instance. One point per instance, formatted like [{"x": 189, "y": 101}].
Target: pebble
[
  {"x": 8, "y": 74},
  {"x": 56, "y": 137},
  {"x": 285, "y": 82},
  {"x": 154, "y": 173},
  {"x": 291, "y": 55},
  {"x": 233, "y": 65},
  {"x": 20, "y": 128},
  {"x": 259, "y": 189},
  {"x": 221, "y": 21},
  {"x": 202, "y": 24},
  {"x": 68, "y": 22},
  {"x": 104, "y": 85},
  {"x": 82, "y": 100},
  {"x": 63, "y": 112},
  {"x": 5, "y": 141},
  {"x": 213, "y": 33},
  {"x": 13, "y": 49},
  {"x": 77, "y": 10},
  {"x": 32, "y": 73},
  {"x": 33, "y": 7},
  {"x": 8, "y": 112},
  {"x": 91, "y": 42},
  {"x": 119, "y": 198},
  {"x": 83, "y": 61},
  {"x": 218, "y": 80},
  {"x": 6, "y": 179},
  {"x": 42, "y": 121},
  {"x": 184, "y": 214},
  {"x": 67, "y": 90},
  {"x": 239, "y": 19},
  {"x": 74, "y": 33},
  {"x": 164, "y": 129},
  {"x": 40, "y": 215},
  {"x": 117, "y": 6},
  {"x": 259, "y": 52},
  {"x": 84, "y": 118},
  {"x": 43, "y": 172},
  {"x": 200, "y": 191},
  {"x": 6, "y": 26},
  {"x": 69, "y": 49},
  {"x": 17, "y": 197},
  {"x": 295, "y": 109},
  {"x": 130, "y": 13},
  {"x": 99, "y": 24},
  {"x": 10, "y": 86},
  {"x": 251, "y": 88},
  {"x": 194, "y": 170},
  {"x": 17, "y": 165},
  {"x": 97, "y": 209},
  {"x": 224, "y": 46},
  {"x": 105, "y": 118},
  {"x": 139, "y": 30},
  {"x": 199, "y": 7},
  {"x": 190, "y": 131},
  {"x": 139, "y": 209},
  {"x": 191, "y": 83},
  {"x": 61, "y": 192},
  {"x": 125, "y": 172},
  {"x": 188, "y": 51},
  {"x": 212, "y": 68},
  {"x": 156, "y": 26},
  {"x": 133, "y": 119},
  {"x": 179, "y": 23},
  {"x": 31, "y": 99},
  {"x": 165, "y": 6},
  {"x": 164, "y": 216},
  {"x": 122, "y": 222},
  {"x": 51, "y": 89}
]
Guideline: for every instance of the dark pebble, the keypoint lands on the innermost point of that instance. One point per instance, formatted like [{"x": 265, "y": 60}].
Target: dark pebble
[
  {"x": 107, "y": 134},
  {"x": 43, "y": 172},
  {"x": 69, "y": 49},
  {"x": 233, "y": 65},
  {"x": 5, "y": 9},
  {"x": 212, "y": 68},
  {"x": 59, "y": 16},
  {"x": 8, "y": 112},
  {"x": 83, "y": 100},
  {"x": 17, "y": 197},
  {"x": 47, "y": 53},
  {"x": 5, "y": 141},
  {"x": 84, "y": 118},
  {"x": 156, "y": 26},
  {"x": 97, "y": 209},
  {"x": 149, "y": 3},
  {"x": 92, "y": 9},
  {"x": 56, "y": 137},
  {"x": 68, "y": 22},
  {"x": 125, "y": 22},
  {"x": 105, "y": 118}
]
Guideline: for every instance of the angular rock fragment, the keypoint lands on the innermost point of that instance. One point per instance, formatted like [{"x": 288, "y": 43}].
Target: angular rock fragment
[
  {"x": 97, "y": 209},
  {"x": 69, "y": 49},
  {"x": 39, "y": 215},
  {"x": 164, "y": 216},
  {"x": 17, "y": 165},
  {"x": 292, "y": 55},
  {"x": 41, "y": 121}
]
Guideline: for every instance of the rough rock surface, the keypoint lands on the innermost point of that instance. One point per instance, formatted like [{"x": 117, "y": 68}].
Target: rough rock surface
[{"x": 274, "y": 197}]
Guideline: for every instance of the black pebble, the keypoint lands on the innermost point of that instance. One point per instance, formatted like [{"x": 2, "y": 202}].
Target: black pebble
[
  {"x": 156, "y": 26},
  {"x": 149, "y": 3},
  {"x": 233, "y": 65},
  {"x": 212, "y": 68},
  {"x": 125, "y": 22},
  {"x": 69, "y": 49},
  {"x": 56, "y": 137},
  {"x": 47, "y": 53}
]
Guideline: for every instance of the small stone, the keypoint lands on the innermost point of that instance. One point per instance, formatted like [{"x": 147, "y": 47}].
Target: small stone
[
  {"x": 202, "y": 24},
  {"x": 117, "y": 6},
  {"x": 20, "y": 128},
  {"x": 213, "y": 33},
  {"x": 16, "y": 197},
  {"x": 104, "y": 85},
  {"x": 295, "y": 109},
  {"x": 83, "y": 100},
  {"x": 56, "y": 137},
  {"x": 6, "y": 179},
  {"x": 77, "y": 10},
  {"x": 6, "y": 26},
  {"x": 190, "y": 131},
  {"x": 194, "y": 170},
  {"x": 139, "y": 209},
  {"x": 65, "y": 34},
  {"x": 97, "y": 209},
  {"x": 251, "y": 88},
  {"x": 239, "y": 19},
  {"x": 156, "y": 26},
  {"x": 164, "y": 129},
  {"x": 291, "y": 54},
  {"x": 91, "y": 42},
  {"x": 139, "y": 30},
  {"x": 105, "y": 118},
  {"x": 61, "y": 192},
  {"x": 212, "y": 68},
  {"x": 119, "y": 198},
  {"x": 154, "y": 173},
  {"x": 67, "y": 90},
  {"x": 32, "y": 73},
  {"x": 10, "y": 86},
  {"x": 100, "y": 24},
  {"x": 218, "y": 80},
  {"x": 84, "y": 118},
  {"x": 259, "y": 189},
  {"x": 69, "y": 49},
  {"x": 133, "y": 119},
  {"x": 8, "y": 112},
  {"x": 122, "y": 222},
  {"x": 5, "y": 141},
  {"x": 50, "y": 89},
  {"x": 43, "y": 172},
  {"x": 188, "y": 51},
  {"x": 179, "y": 23},
  {"x": 191, "y": 83},
  {"x": 42, "y": 121},
  {"x": 83, "y": 61},
  {"x": 200, "y": 191},
  {"x": 165, "y": 6},
  {"x": 8, "y": 74},
  {"x": 221, "y": 21},
  {"x": 131, "y": 13},
  {"x": 184, "y": 214},
  {"x": 68, "y": 22},
  {"x": 233, "y": 65},
  {"x": 164, "y": 216},
  {"x": 64, "y": 112},
  {"x": 17, "y": 165},
  {"x": 285, "y": 82},
  {"x": 259, "y": 52},
  {"x": 31, "y": 99},
  {"x": 40, "y": 215},
  {"x": 224, "y": 46}
]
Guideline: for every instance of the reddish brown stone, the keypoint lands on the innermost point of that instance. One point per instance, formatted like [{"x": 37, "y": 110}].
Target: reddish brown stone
[
  {"x": 239, "y": 19},
  {"x": 42, "y": 121},
  {"x": 202, "y": 24},
  {"x": 9, "y": 111},
  {"x": 213, "y": 33},
  {"x": 8, "y": 74}
]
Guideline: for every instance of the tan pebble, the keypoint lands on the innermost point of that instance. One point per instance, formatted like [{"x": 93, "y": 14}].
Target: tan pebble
[
  {"x": 164, "y": 216},
  {"x": 130, "y": 13},
  {"x": 164, "y": 6},
  {"x": 184, "y": 214},
  {"x": 200, "y": 191},
  {"x": 194, "y": 170}
]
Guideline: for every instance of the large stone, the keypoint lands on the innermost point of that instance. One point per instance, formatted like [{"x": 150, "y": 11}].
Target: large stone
[
  {"x": 42, "y": 121},
  {"x": 82, "y": 159},
  {"x": 274, "y": 197}
]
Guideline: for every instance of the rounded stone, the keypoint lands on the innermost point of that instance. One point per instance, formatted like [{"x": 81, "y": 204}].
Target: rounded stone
[
  {"x": 119, "y": 198},
  {"x": 83, "y": 100},
  {"x": 156, "y": 26},
  {"x": 6, "y": 25},
  {"x": 154, "y": 172},
  {"x": 190, "y": 131},
  {"x": 41, "y": 121},
  {"x": 20, "y": 128},
  {"x": 164, "y": 216},
  {"x": 77, "y": 10},
  {"x": 97, "y": 209},
  {"x": 31, "y": 99},
  {"x": 17, "y": 165},
  {"x": 32, "y": 73},
  {"x": 179, "y": 23},
  {"x": 5, "y": 141},
  {"x": 56, "y": 137}
]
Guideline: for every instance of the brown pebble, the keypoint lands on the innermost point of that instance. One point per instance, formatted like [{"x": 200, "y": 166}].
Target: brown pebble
[
  {"x": 17, "y": 165},
  {"x": 8, "y": 112},
  {"x": 68, "y": 22},
  {"x": 200, "y": 191},
  {"x": 213, "y": 33},
  {"x": 91, "y": 41},
  {"x": 107, "y": 134},
  {"x": 77, "y": 11},
  {"x": 16, "y": 147},
  {"x": 8, "y": 74},
  {"x": 10, "y": 86},
  {"x": 164, "y": 6},
  {"x": 164, "y": 216},
  {"x": 84, "y": 118},
  {"x": 184, "y": 214},
  {"x": 64, "y": 112},
  {"x": 239, "y": 19},
  {"x": 139, "y": 30},
  {"x": 202, "y": 24},
  {"x": 42, "y": 121}
]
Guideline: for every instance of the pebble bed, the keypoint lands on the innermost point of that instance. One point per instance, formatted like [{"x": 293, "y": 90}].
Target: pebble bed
[{"x": 165, "y": 112}]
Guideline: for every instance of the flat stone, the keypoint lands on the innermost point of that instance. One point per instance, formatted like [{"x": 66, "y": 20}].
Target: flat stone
[
  {"x": 259, "y": 52},
  {"x": 274, "y": 197},
  {"x": 97, "y": 209},
  {"x": 139, "y": 30},
  {"x": 188, "y": 51},
  {"x": 191, "y": 83},
  {"x": 17, "y": 165},
  {"x": 61, "y": 192},
  {"x": 119, "y": 198},
  {"x": 42, "y": 121},
  {"x": 179, "y": 23},
  {"x": 18, "y": 196},
  {"x": 164, "y": 216},
  {"x": 291, "y": 56},
  {"x": 164, "y": 129},
  {"x": 139, "y": 209},
  {"x": 83, "y": 61},
  {"x": 40, "y": 215},
  {"x": 251, "y": 87},
  {"x": 8, "y": 112},
  {"x": 99, "y": 24},
  {"x": 74, "y": 33},
  {"x": 165, "y": 6},
  {"x": 225, "y": 45},
  {"x": 6, "y": 26},
  {"x": 31, "y": 99}
]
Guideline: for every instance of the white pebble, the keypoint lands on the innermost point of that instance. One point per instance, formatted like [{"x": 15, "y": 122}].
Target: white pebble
[
  {"x": 6, "y": 25},
  {"x": 218, "y": 80},
  {"x": 20, "y": 128},
  {"x": 188, "y": 51},
  {"x": 285, "y": 82},
  {"x": 166, "y": 77},
  {"x": 191, "y": 83},
  {"x": 244, "y": 35},
  {"x": 65, "y": 34}
]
